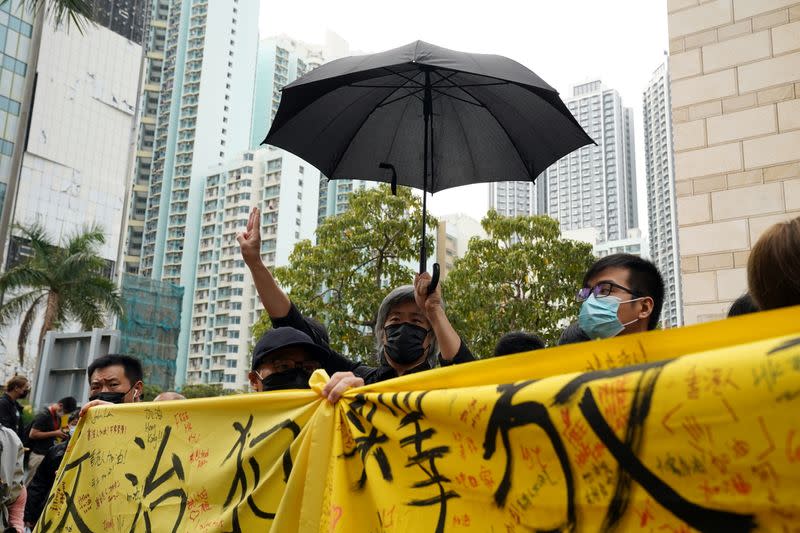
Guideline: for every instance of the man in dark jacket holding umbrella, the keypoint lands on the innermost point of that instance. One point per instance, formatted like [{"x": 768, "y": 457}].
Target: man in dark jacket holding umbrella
[{"x": 411, "y": 323}]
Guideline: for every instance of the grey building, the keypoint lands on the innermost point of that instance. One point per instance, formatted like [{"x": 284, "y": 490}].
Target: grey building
[
  {"x": 661, "y": 198},
  {"x": 595, "y": 186}
]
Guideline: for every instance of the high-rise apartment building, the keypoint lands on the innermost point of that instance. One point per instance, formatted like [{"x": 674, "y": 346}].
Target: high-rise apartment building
[
  {"x": 16, "y": 44},
  {"x": 203, "y": 118},
  {"x": 595, "y": 186},
  {"x": 286, "y": 189},
  {"x": 81, "y": 130},
  {"x": 152, "y": 66},
  {"x": 661, "y": 209},
  {"x": 519, "y": 198},
  {"x": 226, "y": 304},
  {"x": 735, "y": 93}
]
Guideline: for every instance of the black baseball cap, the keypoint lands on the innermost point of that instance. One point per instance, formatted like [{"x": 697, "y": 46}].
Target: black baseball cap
[{"x": 279, "y": 338}]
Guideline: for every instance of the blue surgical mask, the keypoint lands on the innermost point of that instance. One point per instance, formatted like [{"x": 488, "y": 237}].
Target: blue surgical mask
[{"x": 598, "y": 317}]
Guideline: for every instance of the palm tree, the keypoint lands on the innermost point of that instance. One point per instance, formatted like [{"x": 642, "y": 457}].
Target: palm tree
[{"x": 67, "y": 282}]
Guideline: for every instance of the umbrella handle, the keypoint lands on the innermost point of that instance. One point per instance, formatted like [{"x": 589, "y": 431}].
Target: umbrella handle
[{"x": 434, "y": 279}]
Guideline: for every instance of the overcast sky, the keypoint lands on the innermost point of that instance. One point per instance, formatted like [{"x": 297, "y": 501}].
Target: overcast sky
[{"x": 564, "y": 42}]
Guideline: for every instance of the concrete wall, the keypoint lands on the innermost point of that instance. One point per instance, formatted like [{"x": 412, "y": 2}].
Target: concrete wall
[{"x": 735, "y": 69}]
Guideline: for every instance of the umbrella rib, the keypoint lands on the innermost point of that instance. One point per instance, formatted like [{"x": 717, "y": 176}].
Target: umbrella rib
[
  {"x": 478, "y": 104},
  {"x": 411, "y": 79},
  {"x": 410, "y": 94},
  {"x": 510, "y": 139}
]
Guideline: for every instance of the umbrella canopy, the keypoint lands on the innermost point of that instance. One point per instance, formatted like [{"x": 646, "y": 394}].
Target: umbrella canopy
[
  {"x": 492, "y": 118},
  {"x": 468, "y": 118}
]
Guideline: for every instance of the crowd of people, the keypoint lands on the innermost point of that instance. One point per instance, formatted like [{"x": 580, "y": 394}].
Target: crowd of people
[{"x": 621, "y": 294}]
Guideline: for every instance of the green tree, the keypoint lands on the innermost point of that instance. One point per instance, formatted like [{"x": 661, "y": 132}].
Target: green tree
[
  {"x": 522, "y": 277},
  {"x": 202, "y": 390},
  {"x": 67, "y": 282},
  {"x": 149, "y": 392},
  {"x": 358, "y": 258}
]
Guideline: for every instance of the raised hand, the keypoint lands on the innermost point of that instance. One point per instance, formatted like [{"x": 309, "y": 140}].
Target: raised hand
[{"x": 250, "y": 239}]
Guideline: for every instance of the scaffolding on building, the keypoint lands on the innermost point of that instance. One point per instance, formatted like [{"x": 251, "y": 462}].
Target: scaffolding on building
[{"x": 150, "y": 327}]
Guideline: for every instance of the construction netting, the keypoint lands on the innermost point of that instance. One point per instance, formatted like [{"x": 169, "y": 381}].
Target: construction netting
[{"x": 150, "y": 327}]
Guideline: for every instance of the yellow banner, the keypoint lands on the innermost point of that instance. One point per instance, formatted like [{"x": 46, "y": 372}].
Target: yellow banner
[{"x": 671, "y": 431}]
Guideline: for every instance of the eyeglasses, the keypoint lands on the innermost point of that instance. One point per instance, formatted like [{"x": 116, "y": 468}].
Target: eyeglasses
[
  {"x": 601, "y": 290},
  {"x": 287, "y": 364}
]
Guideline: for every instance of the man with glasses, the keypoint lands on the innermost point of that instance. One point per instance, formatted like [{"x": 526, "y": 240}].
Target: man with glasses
[
  {"x": 284, "y": 358},
  {"x": 621, "y": 294}
]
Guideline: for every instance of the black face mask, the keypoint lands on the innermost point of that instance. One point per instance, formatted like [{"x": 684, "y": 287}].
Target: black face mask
[
  {"x": 296, "y": 378},
  {"x": 404, "y": 342},
  {"x": 24, "y": 394},
  {"x": 111, "y": 397}
]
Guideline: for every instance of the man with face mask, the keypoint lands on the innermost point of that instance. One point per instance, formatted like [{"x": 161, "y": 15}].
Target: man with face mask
[
  {"x": 17, "y": 389},
  {"x": 46, "y": 428},
  {"x": 114, "y": 379},
  {"x": 284, "y": 359},
  {"x": 621, "y": 294}
]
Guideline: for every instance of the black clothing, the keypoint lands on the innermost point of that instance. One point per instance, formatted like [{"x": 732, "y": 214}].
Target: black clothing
[
  {"x": 42, "y": 482},
  {"x": 44, "y": 421},
  {"x": 339, "y": 363},
  {"x": 11, "y": 415}
]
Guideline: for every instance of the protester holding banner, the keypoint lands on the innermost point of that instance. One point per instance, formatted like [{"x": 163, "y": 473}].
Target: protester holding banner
[
  {"x": 284, "y": 358},
  {"x": 773, "y": 268},
  {"x": 411, "y": 323},
  {"x": 621, "y": 294},
  {"x": 114, "y": 379}
]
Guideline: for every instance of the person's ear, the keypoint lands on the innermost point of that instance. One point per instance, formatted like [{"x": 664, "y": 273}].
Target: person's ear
[
  {"x": 137, "y": 391},
  {"x": 255, "y": 381},
  {"x": 648, "y": 305}
]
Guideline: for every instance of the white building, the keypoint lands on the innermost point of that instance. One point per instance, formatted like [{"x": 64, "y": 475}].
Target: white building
[
  {"x": 204, "y": 117},
  {"x": 519, "y": 198},
  {"x": 595, "y": 186},
  {"x": 75, "y": 169},
  {"x": 661, "y": 208},
  {"x": 452, "y": 239},
  {"x": 226, "y": 304}
]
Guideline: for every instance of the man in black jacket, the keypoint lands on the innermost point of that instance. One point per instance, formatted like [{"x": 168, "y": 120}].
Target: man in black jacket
[{"x": 17, "y": 388}]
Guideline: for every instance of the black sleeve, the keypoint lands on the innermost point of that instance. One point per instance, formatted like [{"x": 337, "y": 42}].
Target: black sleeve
[
  {"x": 8, "y": 415},
  {"x": 42, "y": 482},
  {"x": 43, "y": 422},
  {"x": 463, "y": 355}
]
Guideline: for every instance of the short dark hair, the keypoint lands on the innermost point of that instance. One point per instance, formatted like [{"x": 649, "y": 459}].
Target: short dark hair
[
  {"x": 743, "y": 305},
  {"x": 69, "y": 404},
  {"x": 773, "y": 267},
  {"x": 131, "y": 365},
  {"x": 517, "y": 342},
  {"x": 643, "y": 276}
]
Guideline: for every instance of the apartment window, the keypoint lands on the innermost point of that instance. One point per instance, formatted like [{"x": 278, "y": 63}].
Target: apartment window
[
  {"x": 228, "y": 85},
  {"x": 222, "y": 154},
  {"x": 225, "y": 109},
  {"x": 296, "y": 234},
  {"x": 224, "y": 131},
  {"x": 230, "y": 64}
]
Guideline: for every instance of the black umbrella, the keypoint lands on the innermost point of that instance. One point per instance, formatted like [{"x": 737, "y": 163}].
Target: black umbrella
[{"x": 479, "y": 118}]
